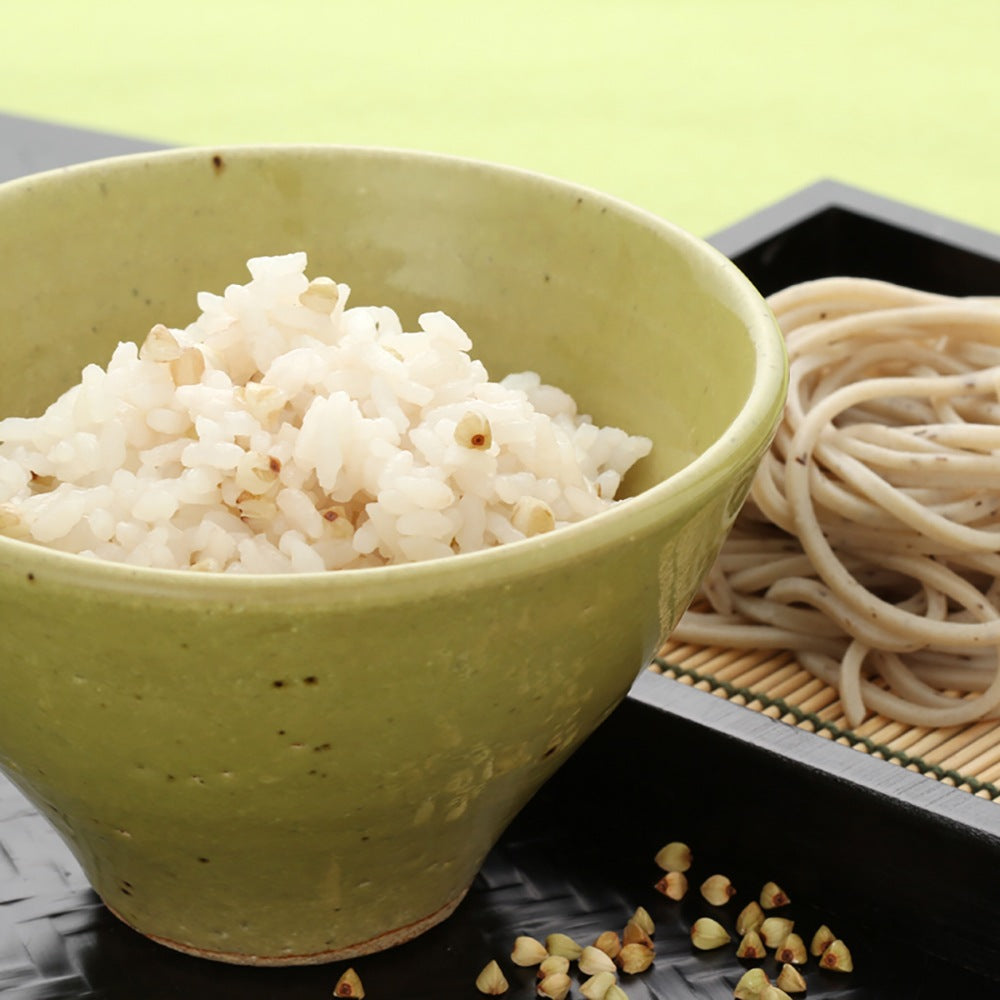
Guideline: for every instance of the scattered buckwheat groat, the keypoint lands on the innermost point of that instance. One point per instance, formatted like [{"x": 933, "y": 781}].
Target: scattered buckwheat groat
[
  {"x": 491, "y": 980},
  {"x": 349, "y": 985}
]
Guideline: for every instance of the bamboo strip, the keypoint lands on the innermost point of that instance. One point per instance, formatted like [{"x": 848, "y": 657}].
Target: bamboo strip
[{"x": 773, "y": 683}]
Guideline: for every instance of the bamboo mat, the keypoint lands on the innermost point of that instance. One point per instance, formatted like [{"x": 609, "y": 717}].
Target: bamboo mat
[{"x": 967, "y": 757}]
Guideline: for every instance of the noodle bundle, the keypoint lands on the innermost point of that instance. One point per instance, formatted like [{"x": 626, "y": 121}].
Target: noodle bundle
[{"x": 870, "y": 543}]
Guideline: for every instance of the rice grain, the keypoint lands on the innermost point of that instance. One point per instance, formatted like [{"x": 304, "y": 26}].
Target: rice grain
[{"x": 284, "y": 432}]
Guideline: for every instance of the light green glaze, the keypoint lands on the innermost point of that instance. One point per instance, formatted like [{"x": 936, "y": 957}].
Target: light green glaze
[{"x": 286, "y": 768}]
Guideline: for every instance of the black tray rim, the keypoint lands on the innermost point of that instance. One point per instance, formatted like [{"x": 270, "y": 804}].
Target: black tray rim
[{"x": 827, "y": 193}]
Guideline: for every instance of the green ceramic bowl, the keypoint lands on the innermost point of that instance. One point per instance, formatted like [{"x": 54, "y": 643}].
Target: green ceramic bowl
[{"x": 295, "y": 769}]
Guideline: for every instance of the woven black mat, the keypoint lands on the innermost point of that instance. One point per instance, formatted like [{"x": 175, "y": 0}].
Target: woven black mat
[{"x": 577, "y": 860}]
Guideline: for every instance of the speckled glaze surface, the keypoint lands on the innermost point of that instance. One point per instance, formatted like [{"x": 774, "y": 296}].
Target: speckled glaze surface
[{"x": 293, "y": 769}]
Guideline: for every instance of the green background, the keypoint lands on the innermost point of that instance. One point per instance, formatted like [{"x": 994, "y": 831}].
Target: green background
[{"x": 700, "y": 110}]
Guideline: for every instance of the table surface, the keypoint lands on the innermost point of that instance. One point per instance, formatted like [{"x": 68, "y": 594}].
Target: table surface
[{"x": 701, "y": 112}]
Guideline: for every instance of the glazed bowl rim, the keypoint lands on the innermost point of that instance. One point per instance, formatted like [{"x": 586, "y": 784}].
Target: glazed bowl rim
[{"x": 743, "y": 439}]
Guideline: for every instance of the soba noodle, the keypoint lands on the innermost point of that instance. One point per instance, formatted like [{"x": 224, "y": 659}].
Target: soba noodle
[{"x": 870, "y": 544}]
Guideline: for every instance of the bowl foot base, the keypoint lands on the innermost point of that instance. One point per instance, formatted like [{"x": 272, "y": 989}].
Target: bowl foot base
[{"x": 388, "y": 939}]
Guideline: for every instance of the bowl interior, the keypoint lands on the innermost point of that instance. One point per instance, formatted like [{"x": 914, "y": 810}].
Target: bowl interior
[{"x": 622, "y": 310}]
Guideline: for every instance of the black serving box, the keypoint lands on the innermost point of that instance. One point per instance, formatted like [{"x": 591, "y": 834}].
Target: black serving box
[
  {"x": 911, "y": 859},
  {"x": 905, "y": 869}
]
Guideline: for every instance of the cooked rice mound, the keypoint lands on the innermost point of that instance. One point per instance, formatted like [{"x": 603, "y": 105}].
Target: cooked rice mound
[{"x": 282, "y": 432}]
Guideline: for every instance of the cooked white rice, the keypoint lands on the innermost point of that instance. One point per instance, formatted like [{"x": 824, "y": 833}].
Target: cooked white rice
[{"x": 282, "y": 432}]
